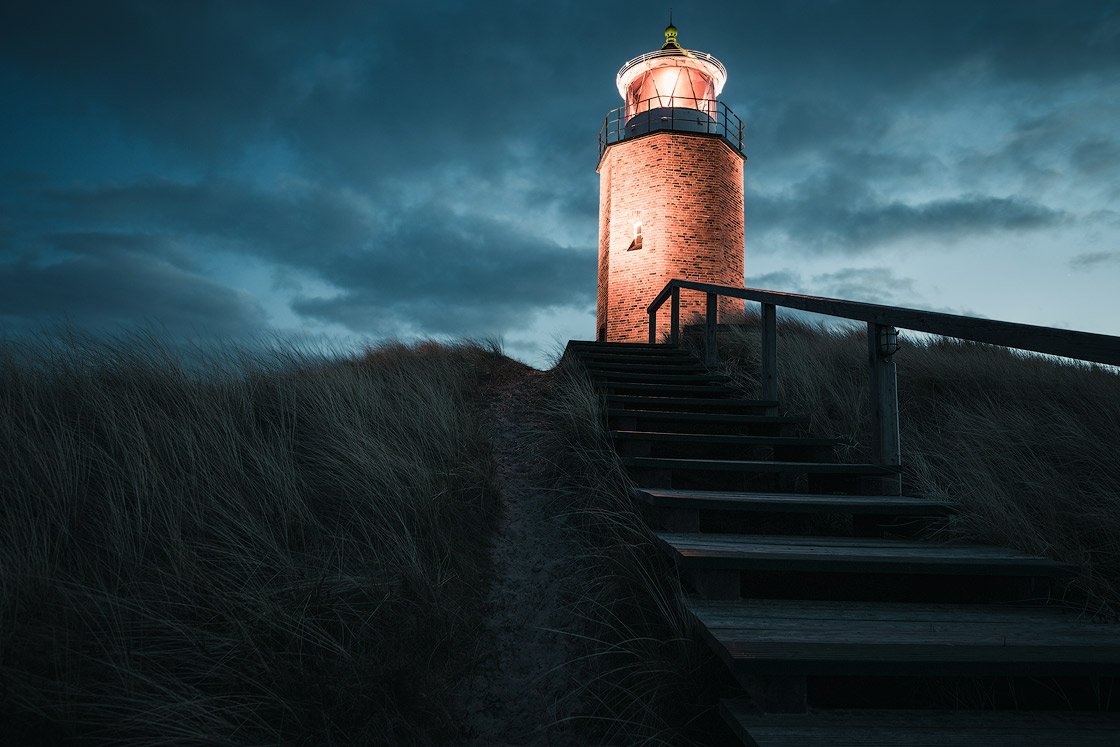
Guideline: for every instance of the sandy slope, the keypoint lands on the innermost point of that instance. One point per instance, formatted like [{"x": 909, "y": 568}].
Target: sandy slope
[{"x": 520, "y": 695}]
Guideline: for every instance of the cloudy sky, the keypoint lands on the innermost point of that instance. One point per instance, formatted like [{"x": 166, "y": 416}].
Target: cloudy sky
[{"x": 340, "y": 171}]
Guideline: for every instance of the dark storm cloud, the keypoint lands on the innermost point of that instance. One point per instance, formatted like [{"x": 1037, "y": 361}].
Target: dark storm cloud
[
  {"x": 422, "y": 266},
  {"x": 106, "y": 282},
  {"x": 294, "y": 224},
  {"x": 452, "y": 274},
  {"x": 356, "y": 87},
  {"x": 342, "y": 142},
  {"x": 834, "y": 214}
]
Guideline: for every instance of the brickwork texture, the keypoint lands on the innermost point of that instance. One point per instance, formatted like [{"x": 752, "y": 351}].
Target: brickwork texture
[{"x": 685, "y": 191}]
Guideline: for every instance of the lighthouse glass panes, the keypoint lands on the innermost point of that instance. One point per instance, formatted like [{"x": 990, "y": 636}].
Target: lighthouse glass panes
[{"x": 671, "y": 86}]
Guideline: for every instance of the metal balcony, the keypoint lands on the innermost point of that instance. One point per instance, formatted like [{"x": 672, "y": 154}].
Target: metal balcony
[{"x": 669, "y": 113}]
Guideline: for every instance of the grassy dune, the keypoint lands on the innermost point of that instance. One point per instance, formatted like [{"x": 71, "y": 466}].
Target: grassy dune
[
  {"x": 285, "y": 548},
  {"x": 248, "y": 549}
]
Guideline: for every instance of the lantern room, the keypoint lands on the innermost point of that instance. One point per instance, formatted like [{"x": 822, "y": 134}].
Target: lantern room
[{"x": 670, "y": 78}]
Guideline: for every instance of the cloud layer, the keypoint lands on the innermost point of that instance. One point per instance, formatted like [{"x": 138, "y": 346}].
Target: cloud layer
[{"x": 405, "y": 170}]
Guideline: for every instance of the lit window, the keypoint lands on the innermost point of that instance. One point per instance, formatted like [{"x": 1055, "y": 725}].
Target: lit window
[{"x": 636, "y": 243}]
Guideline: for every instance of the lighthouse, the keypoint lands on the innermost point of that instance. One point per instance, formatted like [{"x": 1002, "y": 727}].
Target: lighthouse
[{"x": 670, "y": 189}]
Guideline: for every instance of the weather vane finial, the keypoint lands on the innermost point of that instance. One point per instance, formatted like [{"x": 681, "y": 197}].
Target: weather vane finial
[{"x": 671, "y": 34}]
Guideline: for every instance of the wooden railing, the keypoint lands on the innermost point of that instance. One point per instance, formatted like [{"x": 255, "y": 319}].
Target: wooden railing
[{"x": 882, "y": 342}]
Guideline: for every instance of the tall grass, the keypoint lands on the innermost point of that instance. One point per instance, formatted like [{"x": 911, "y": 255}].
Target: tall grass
[
  {"x": 240, "y": 548},
  {"x": 1024, "y": 445},
  {"x": 640, "y": 675}
]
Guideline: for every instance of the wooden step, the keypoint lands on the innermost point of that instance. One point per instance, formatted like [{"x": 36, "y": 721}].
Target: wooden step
[
  {"x": 751, "y": 465},
  {"x": 610, "y": 377},
  {"x": 624, "y": 348},
  {"x": 850, "y": 639},
  {"x": 634, "y": 443},
  {"x": 605, "y": 344},
  {"x": 671, "y": 421},
  {"x": 661, "y": 389},
  {"x": 721, "y": 438},
  {"x": 702, "y": 417},
  {"x": 934, "y": 728},
  {"x": 610, "y": 370},
  {"x": 682, "y": 404},
  {"x": 669, "y": 357},
  {"x": 851, "y": 555},
  {"x": 716, "y": 500}
]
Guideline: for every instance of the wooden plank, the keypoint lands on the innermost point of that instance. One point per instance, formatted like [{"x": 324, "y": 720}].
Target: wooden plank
[
  {"x": 648, "y": 357},
  {"x": 682, "y": 366},
  {"x": 609, "y": 377},
  {"x": 709, "y": 417},
  {"x": 749, "y": 465},
  {"x": 768, "y": 352},
  {"x": 885, "y": 640},
  {"x": 710, "y": 355},
  {"x": 729, "y": 614},
  {"x": 602, "y": 345},
  {"x": 667, "y": 355},
  {"x": 885, "y": 439},
  {"x": 851, "y": 555},
  {"x": 622, "y": 348},
  {"x": 934, "y": 728},
  {"x": 675, "y": 316},
  {"x": 721, "y": 438},
  {"x": 638, "y": 399},
  {"x": 793, "y": 502},
  {"x": 708, "y": 390}
]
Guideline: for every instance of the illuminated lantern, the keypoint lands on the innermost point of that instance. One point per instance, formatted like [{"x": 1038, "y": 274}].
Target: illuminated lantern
[{"x": 670, "y": 188}]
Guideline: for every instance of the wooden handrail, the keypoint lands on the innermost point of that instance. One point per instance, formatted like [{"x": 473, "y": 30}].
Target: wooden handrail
[
  {"x": 1082, "y": 346},
  {"x": 882, "y": 322}
]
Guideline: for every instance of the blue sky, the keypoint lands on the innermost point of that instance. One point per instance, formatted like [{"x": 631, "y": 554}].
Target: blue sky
[{"x": 342, "y": 171}]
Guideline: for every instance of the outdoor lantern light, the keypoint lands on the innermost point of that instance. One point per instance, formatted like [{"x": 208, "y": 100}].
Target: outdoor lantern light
[{"x": 888, "y": 341}]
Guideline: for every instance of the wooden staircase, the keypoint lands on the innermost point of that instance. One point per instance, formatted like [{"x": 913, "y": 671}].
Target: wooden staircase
[{"x": 842, "y": 624}]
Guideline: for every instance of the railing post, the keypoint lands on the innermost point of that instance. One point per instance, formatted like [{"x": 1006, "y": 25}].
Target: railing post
[
  {"x": 769, "y": 352},
  {"x": 675, "y": 316},
  {"x": 710, "y": 331},
  {"x": 653, "y": 326},
  {"x": 885, "y": 442}
]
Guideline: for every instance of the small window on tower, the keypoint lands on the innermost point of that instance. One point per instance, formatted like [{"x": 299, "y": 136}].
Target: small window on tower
[{"x": 637, "y": 242}]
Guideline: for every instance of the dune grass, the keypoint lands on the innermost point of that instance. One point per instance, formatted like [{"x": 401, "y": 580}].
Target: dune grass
[
  {"x": 1024, "y": 445},
  {"x": 640, "y": 675},
  {"x": 239, "y": 548}
]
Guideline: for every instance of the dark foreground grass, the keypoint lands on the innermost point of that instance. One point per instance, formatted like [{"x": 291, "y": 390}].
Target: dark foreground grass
[
  {"x": 641, "y": 675},
  {"x": 283, "y": 548},
  {"x": 249, "y": 549}
]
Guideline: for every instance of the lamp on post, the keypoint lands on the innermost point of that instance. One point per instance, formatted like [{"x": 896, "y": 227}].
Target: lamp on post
[{"x": 888, "y": 341}]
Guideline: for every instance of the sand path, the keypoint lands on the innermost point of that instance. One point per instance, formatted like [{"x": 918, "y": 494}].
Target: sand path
[{"x": 520, "y": 694}]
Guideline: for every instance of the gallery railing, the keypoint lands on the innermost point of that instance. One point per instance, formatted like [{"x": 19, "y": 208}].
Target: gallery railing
[
  {"x": 675, "y": 113},
  {"x": 882, "y": 342}
]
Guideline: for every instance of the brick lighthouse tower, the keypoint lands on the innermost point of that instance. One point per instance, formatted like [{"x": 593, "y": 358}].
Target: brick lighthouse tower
[{"x": 670, "y": 189}]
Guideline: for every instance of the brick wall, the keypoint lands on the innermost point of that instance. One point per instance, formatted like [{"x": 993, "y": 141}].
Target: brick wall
[{"x": 687, "y": 192}]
